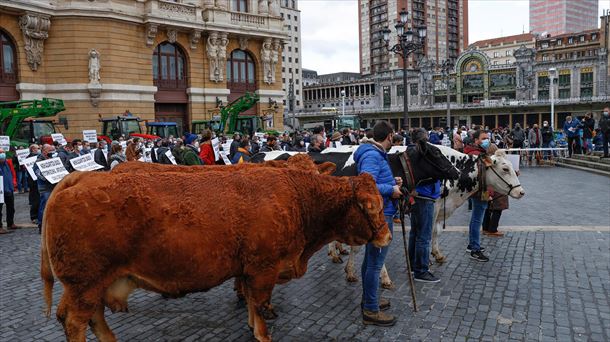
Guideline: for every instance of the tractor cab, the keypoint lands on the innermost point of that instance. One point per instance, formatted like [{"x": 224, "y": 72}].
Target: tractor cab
[
  {"x": 248, "y": 124},
  {"x": 347, "y": 121},
  {"x": 34, "y": 131},
  {"x": 162, "y": 129},
  {"x": 126, "y": 126},
  {"x": 200, "y": 125}
]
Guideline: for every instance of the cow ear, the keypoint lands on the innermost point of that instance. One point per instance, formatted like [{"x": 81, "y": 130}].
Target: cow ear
[
  {"x": 487, "y": 161},
  {"x": 327, "y": 168}
]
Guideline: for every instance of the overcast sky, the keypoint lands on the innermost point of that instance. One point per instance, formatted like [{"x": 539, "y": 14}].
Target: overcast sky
[{"x": 329, "y": 28}]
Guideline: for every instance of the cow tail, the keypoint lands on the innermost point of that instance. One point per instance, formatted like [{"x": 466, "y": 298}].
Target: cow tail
[{"x": 46, "y": 273}]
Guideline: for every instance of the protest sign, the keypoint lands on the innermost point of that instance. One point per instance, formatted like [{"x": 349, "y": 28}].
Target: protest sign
[
  {"x": 90, "y": 135},
  {"x": 338, "y": 144},
  {"x": 52, "y": 169},
  {"x": 21, "y": 155},
  {"x": 171, "y": 157},
  {"x": 85, "y": 163},
  {"x": 216, "y": 147},
  {"x": 514, "y": 159},
  {"x": 123, "y": 144},
  {"x": 225, "y": 158},
  {"x": 147, "y": 155},
  {"x": 59, "y": 138},
  {"x": 29, "y": 165},
  {"x": 5, "y": 142}
]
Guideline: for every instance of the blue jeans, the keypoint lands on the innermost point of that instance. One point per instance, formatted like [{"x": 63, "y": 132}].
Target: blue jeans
[
  {"x": 374, "y": 258},
  {"x": 476, "y": 220},
  {"x": 422, "y": 214},
  {"x": 22, "y": 180},
  {"x": 44, "y": 197}
]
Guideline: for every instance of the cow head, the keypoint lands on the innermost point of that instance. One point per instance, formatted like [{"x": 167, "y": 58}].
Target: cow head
[
  {"x": 365, "y": 218},
  {"x": 501, "y": 175}
]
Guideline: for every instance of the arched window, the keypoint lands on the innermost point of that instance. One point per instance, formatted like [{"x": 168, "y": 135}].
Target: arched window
[
  {"x": 169, "y": 69},
  {"x": 8, "y": 69},
  {"x": 241, "y": 71}
]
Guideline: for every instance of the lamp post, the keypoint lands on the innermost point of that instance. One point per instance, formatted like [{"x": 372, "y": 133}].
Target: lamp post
[
  {"x": 343, "y": 106},
  {"x": 410, "y": 39},
  {"x": 446, "y": 67},
  {"x": 552, "y": 77}
]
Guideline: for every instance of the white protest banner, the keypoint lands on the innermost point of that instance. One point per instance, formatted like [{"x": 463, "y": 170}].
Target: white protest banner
[
  {"x": 29, "y": 165},
  {"x": 90, "y": 135},
  {"x": 21, "y": 155},
  {"x": 123, "y": 144},
  {"x": 225, "y": 158},
  {"x": 338, "y": 144},
  {"x": 5, "y": 142},
  {"x": 216, "y": 147},
  {"x": 261, "y": 135},
  {"x": 306, "y": 146},
  {"x": 147, "y": 155},
  {"x": 171, "y": 157},
  {"x": 85, "y": 163},
  {"x": 59, "y": 138},
  {"x": 92, "y": 151},
  {"x": 1, "y": 189},
  {"x": 514, "y": 159},
  {"x": 52, "y": 169}
]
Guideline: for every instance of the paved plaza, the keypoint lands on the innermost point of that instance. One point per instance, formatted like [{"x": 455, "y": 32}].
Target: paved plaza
[{"x": 543, "y": 283}]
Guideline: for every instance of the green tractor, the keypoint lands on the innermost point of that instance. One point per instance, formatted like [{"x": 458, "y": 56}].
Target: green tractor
[
  {"x": 21, "y": 120},
  {"x": 230, "y": 121}
]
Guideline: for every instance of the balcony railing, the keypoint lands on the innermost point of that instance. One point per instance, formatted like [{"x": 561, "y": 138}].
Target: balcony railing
[{"x": 246, "y": 18}]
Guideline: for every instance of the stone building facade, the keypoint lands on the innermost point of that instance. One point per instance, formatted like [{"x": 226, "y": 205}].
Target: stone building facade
[
  {"x": 500, "y": 50},
  {"x": 161, "y": 60}
]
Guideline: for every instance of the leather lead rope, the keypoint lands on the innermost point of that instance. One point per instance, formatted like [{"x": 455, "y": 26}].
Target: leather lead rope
[{"x": 402, "y": 208}]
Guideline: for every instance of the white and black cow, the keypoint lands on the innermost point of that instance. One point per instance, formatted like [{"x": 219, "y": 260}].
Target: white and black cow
[
  {"x": 499, "y": 175},
  {"x": 427, "y": 164}
]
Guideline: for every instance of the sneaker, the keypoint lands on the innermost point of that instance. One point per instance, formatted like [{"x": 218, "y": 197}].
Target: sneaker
[
  {"x": 468, "y": 250},
  {"x": 427, "y": 278},
  {"x": 479, "y": 256},
  {"x": 384, "y": 304},
  {"x": 378, "y": 318}
]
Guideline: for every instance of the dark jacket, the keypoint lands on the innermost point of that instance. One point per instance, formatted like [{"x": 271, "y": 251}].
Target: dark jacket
[
  {"x": 162, "y": 157},
  {"x": 498, "y": 202},
  {"x": 43, "y": 184},
  {"x": 241, "y": 156},
  {"x": 9, "y": 178},
  {"x": 547, "y": 134},
  {"x": 177, "y": 152},
  {"x": 346, "y": 140},
  {"x": 604, "y": 124},
  {"x": 588, "y": 128},
  {"x": 190, "y": 156},
  {"x": 233, "y": 148},
  {"x": 372, "y": 159},
  {"x": 477, "y": 151},
  {"x": 518, "y": 134},
  {"x": 100, "y": 158},
  {"x": 255, "y": 148},
  {"x": 267, "y": 148}
]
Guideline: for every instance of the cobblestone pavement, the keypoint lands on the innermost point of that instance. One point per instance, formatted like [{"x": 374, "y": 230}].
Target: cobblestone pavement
[{"x": 538, "y": 286}]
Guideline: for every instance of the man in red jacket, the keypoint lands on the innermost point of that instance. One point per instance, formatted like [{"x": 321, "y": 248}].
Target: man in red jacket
[
  {"x": 9, "y": 180},
  {"x": 479, "y": 204}
]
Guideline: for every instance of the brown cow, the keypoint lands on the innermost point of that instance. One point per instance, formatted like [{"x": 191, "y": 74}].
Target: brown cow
[{"x": 180, "y": 248}]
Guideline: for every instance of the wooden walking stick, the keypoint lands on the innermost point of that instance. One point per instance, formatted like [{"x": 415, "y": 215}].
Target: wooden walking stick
[{"x": 402, "y": 206}]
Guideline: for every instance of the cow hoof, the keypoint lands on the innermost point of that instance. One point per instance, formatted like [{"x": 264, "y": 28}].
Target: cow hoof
[
  {"x": 441, "y": 259},
  {"x": 344, "y": 252},
  {"x": 388, "y": 286},
  {"x": 337, "y": 260},
  {"x": 351, "y": 279}
]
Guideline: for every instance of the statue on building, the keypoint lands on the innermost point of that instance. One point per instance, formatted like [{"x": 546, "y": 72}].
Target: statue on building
[
  {"x": 94, "y": 66},
  {"x": 263, "y": 7},
  {"x": 221, "y": 55},
  {"x": 275, "y": 56},
  {"x": 266, "y": 57},
  {"x": 274, "y": 8},
  {"x": 35, "y": 28},
  {"x": 212, "y": 49}
]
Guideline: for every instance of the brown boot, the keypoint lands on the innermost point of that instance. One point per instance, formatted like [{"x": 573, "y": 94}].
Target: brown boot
[
  {"x": 384, "y": 304},
  {"x": 378, "y": 318}
]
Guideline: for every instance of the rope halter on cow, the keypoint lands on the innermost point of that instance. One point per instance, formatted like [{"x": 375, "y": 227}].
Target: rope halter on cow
[
  {"x": 375, "y": 229},
  {"x": 488, "y": 164}
]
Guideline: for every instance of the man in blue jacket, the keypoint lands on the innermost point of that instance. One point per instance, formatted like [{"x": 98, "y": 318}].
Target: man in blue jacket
[
  {"x": 422, "y": 219},
  {"x": 372, "y": 158},
  {"x": 571, "y": 127}
]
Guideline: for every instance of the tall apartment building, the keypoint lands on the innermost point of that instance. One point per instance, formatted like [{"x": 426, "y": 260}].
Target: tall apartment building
[
  {"x": 557, "y": 17},
  {"x": 291, "y": 56},
  {"x": 446, "y": 21}
]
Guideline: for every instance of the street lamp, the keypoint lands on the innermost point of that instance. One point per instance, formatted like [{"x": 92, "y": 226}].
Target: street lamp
[
  {"x": 552, "y": 77},
  {"x": 410, "y": 39},
  {"x": 343, "y": 98},
  {"x": 446, "y": 68}
]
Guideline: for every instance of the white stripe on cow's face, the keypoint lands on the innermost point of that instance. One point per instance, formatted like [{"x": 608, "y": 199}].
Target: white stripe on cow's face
[{"x": 273, "y": 155}]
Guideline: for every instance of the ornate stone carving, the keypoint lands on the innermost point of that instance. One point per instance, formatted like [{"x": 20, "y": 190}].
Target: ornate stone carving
[
  {"x": 94, "y": 66},
  {"x": 35, "y": 28},
  {"x": 222, "y": 4},
  {"x": 208, "y": 3},
  {"x": 172, "y": 35},
  {"x": 194, "y": 37},
  {"x": 263, "y": 7},
  {"x": 151, "y": 33},
  {"x": 217, "y": 55},
  {"x": 266, "y": 58},
  {"x": 176, "y": 8},
  {"x": 274, "y": 8},
  {"x": 524, "y": 61},
  {"x": 243, "y": 43},
  {"x": 275, "y": 56}
]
